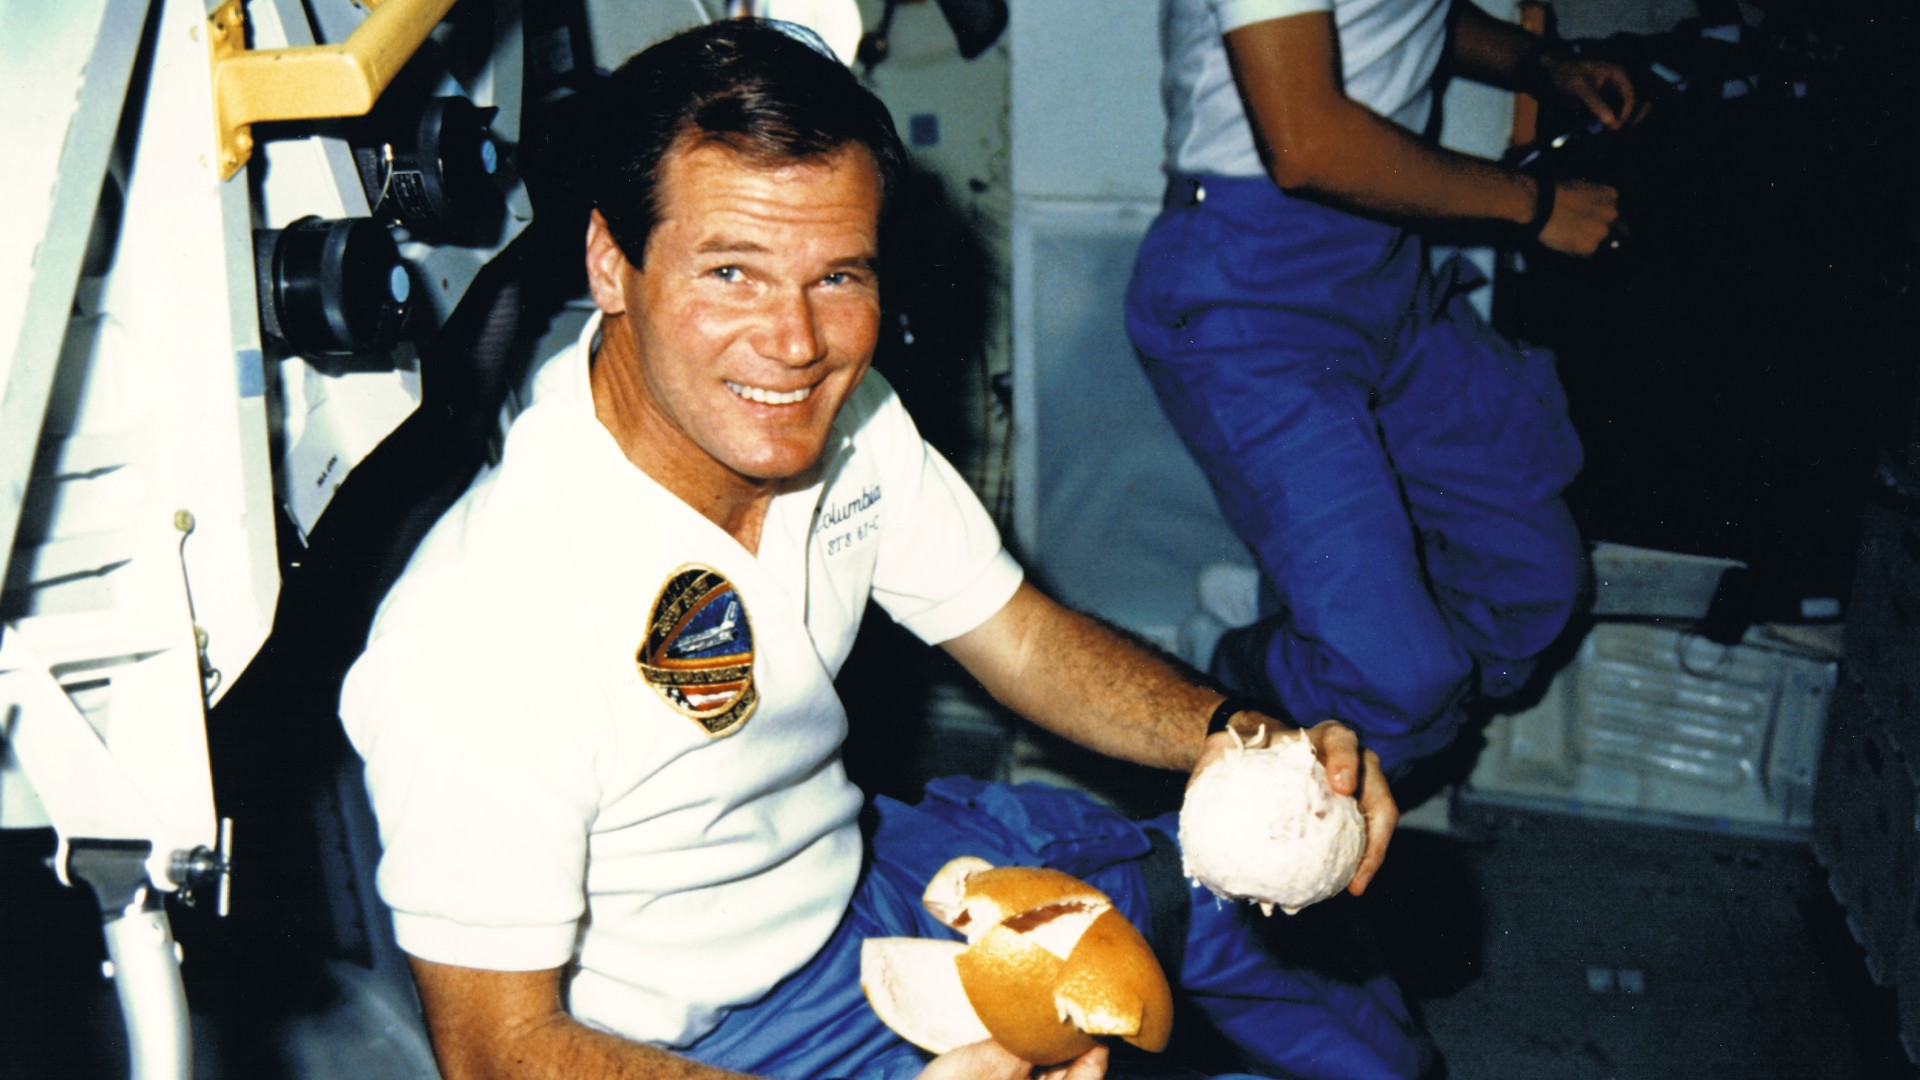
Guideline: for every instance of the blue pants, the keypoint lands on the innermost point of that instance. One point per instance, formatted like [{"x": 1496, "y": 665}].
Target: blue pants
[
  {"x": 1394, "y": 465},
  {"x": 1268, "y": 984}
]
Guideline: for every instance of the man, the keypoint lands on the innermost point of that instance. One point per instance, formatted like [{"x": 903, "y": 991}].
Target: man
[
  {"x": 1395, "y": 467},
  {"x": 597, "y": 711}
]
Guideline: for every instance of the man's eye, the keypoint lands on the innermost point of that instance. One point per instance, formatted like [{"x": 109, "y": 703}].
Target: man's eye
[{"x": 727, "y": 273}]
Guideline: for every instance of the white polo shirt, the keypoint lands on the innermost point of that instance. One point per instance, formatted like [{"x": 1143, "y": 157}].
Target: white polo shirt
[
  {"x": 598, "y": 732},
  {"x": 1389, "y": 50}
]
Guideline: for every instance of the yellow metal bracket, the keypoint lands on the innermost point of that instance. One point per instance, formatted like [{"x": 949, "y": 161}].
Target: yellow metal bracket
[{"x": 313, "y": 82}]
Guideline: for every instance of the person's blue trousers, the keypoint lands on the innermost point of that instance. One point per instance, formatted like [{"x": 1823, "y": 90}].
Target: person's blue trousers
[
  {"x": 1395, "y": 466},
  {"x": 1297, "y": 995}
]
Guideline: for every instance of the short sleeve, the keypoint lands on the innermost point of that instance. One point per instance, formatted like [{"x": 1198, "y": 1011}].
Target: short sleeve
[
  {"x": 484, "y": 801},
  {"x": 1234, "y": 14},
  {"x": 942, "y": 569}
]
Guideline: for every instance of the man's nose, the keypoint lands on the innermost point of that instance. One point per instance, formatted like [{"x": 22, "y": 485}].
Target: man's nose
[{"x": 791, "y": 333}]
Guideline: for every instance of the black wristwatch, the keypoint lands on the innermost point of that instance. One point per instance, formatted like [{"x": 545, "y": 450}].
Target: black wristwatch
[{"x": 1225, "y": 712}]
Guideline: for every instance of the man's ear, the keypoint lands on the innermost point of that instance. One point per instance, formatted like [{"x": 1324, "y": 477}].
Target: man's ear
[{"x": 607, "y": 267}]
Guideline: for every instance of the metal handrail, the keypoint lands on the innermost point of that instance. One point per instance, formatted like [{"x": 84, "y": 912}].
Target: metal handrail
[{"x": 311, "y": 82}]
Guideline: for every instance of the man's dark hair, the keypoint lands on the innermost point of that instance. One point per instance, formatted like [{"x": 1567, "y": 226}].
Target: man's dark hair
[{"x": 741, "y": 83}]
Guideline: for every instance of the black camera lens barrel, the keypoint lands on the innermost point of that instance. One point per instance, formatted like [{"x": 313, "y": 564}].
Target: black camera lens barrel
[{"x": 332, "y": 287}]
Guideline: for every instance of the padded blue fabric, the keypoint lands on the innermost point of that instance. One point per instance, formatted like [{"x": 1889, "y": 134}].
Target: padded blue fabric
[
  {"x": 1339, "y": 1022},
  {"x": 1394, "y": 465}
]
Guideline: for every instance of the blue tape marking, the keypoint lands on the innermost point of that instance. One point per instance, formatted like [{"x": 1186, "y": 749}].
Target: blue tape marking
[{"x": 252, "y": 374}]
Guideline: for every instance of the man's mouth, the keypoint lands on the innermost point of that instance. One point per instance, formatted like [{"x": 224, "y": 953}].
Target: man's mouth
[{"x": 769, "y": 397}]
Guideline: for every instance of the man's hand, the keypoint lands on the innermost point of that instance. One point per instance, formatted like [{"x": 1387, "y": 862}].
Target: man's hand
[
  {"x": 1356, "y": 772},
  {"x": 1350, "y": 771},
  {"x": 1601, "y": 87},
  {"x": 1585, "y": 216},
  {"x": 988, "y": 1060}
]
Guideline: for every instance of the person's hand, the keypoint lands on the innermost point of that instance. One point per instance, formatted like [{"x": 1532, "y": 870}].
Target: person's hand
[
  {"x": 1356, "y": 772},
  {"x": 1350, "y": 771},
  {"x": 1222, "y": 743},
  {"x": 988, "y": 1060},
  {"x": 1586, "y": 215},
  {"x": 1602, "y": 87}
]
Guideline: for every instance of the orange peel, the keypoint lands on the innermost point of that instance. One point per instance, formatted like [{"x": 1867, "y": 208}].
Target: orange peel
[{"x": 1049, "y": 967}]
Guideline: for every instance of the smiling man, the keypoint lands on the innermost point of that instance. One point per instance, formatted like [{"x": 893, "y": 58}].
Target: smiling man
[
  {"x": 755, "y": 320},
  {"x": 598, "y": 713}
]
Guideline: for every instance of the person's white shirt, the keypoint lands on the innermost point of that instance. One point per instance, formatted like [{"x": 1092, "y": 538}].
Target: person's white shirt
[
  {"x": 1389, "y": 51},
  {"x": 549, "y": 796}
]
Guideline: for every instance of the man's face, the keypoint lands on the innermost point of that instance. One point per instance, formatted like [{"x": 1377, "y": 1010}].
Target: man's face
[{"x": 755, "y": 315}]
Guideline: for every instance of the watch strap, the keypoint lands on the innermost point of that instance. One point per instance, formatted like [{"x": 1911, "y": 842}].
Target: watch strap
[{"x": 1226, "y": 710}]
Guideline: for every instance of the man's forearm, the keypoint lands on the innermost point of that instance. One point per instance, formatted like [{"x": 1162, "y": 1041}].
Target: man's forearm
[
  {"x": 1486, "y": 49},
  {"x": 495, "y": 1025},
  {"x": 1381, "y": 169},
  {"x": 1088, "y": 682},
  {"x": 565, "y": 1049}
]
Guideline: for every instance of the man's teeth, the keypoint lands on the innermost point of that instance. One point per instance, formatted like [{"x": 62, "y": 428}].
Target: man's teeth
[{"x": 768, "y": 397}]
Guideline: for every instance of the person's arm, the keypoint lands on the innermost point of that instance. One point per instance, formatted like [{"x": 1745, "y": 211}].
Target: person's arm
[
  {"x": 1314, "y": 140},
  {"x": 492, "y": 1025},
  {"x": 1488, "y": 50},
  {"x": 1083, "y": 680}
]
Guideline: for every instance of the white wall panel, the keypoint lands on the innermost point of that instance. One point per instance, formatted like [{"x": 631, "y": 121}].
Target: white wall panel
[{"x": 1086, "y": 100}]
